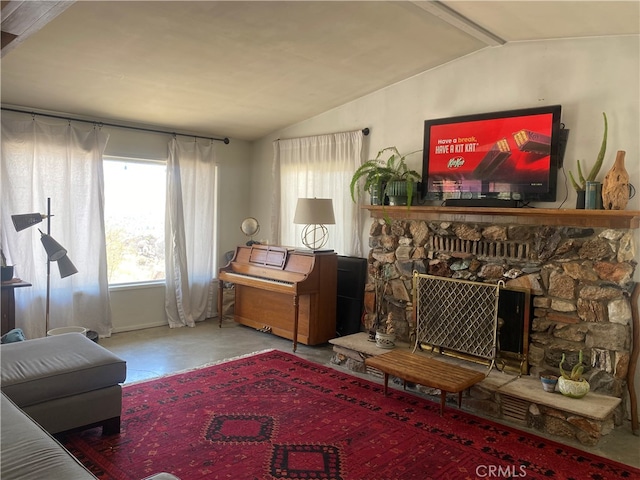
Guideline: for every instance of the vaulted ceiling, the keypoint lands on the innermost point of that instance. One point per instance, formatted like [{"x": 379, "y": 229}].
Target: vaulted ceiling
[{"x": 245, "y": 69}]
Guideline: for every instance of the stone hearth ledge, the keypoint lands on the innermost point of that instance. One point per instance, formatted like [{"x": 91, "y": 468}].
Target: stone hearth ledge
[{"x": 594, "y": 407}]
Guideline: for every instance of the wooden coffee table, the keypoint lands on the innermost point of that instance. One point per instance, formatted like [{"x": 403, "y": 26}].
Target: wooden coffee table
[{"x": 425, "y": 371}]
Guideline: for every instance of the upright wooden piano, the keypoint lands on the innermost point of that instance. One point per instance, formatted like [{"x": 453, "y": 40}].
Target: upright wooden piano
[{"x": 288, "y": 292}]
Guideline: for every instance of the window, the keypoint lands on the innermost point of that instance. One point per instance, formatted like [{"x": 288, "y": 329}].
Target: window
[
  {"x": 319, "y": 166},
  {"x": 134, "y": 219}
]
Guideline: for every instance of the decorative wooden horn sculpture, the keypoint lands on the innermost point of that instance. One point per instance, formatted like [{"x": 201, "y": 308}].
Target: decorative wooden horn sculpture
[{"x": 615, "y": 188}]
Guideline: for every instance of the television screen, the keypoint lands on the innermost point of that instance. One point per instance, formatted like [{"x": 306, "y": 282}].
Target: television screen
[{"x": 511, "y": 155}]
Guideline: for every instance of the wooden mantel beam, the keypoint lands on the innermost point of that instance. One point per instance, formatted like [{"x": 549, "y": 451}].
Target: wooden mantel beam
[{"x": 619, "y": 219}]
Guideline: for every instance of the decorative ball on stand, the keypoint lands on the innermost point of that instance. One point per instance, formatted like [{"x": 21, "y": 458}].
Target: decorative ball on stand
[{"x": 315, "y": 236}]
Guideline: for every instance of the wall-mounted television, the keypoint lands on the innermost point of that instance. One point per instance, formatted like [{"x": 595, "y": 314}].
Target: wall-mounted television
[{"x": 511, "y": 155}]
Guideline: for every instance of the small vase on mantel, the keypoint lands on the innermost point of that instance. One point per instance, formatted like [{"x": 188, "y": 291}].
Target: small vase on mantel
[{"x": 615, "y": 187}]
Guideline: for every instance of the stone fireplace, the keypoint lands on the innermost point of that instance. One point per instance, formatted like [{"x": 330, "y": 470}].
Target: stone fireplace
[{"x": 577, "y": 265}]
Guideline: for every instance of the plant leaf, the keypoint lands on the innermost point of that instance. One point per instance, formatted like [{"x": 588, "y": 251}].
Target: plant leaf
[
  {"x": 562, "y": 372},
  {"x": 603, "y": 148},
  {"x": 580, "y": 175},
  {"x": 577, "y": 187}
]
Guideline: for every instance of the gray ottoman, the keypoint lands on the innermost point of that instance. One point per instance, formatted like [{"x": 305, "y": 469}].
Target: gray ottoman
[{"x": 64, "y": 382}]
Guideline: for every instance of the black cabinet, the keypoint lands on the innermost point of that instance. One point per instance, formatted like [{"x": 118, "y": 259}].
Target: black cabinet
[
  {"x": 352, "y": 276},
  {"x": 8, "y": 307}
]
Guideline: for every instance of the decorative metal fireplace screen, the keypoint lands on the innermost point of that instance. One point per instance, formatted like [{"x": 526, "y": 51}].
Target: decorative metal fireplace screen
[{"x": 456, "y": 315}]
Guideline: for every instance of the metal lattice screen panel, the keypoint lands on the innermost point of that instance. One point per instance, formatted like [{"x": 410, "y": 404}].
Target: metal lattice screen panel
[{"x": 456, "y": 315}]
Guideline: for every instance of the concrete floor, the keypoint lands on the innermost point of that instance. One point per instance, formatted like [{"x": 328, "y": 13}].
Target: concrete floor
[{"x": 155, "y": 352}]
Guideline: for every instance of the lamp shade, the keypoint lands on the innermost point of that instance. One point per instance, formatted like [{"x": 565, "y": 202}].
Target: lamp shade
[
  {"x": 66, "y": 267},
  {"x": 26, "y": 220},
  {"x": 314, "y": 211},
  {"x": 55, "y": 251}
]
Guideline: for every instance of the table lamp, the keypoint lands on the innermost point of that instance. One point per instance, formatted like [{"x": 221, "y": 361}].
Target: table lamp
[{"x": 315, "y": 213}]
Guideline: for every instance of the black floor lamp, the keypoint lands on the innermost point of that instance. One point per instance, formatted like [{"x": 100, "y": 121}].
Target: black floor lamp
[{"x": 55, "y": 252}]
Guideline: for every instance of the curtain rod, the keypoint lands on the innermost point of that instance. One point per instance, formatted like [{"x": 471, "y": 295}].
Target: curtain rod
[
  {"x": 365, "y": 131},
  {"x": 225, "y": 140}
]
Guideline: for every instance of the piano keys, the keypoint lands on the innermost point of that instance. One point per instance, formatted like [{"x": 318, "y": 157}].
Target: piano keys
[{"x": 288, "y": 292}]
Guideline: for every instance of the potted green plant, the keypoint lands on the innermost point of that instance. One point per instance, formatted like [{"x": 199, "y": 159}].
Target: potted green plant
[
  {"x": 571, "y": 383},
  {"x": 386, "y": 177},
  {"x": 580, "y": 184}
]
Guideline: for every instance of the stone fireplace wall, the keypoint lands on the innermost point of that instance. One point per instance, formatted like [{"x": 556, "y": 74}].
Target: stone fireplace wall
[{"x": 580, "y": 280}]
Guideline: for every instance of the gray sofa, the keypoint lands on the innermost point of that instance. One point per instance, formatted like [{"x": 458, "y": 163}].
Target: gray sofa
[
  {"x": 50, "y": 385},
  {"x": 64, "y": 382},
  {"x": 29, "y": 452}
]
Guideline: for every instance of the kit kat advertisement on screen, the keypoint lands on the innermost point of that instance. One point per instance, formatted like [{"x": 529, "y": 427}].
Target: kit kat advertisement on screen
[{"x": 494, "y": 155}]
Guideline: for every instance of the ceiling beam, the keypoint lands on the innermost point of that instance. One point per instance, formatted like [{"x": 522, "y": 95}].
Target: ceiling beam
[
  {"x": 453, "y": 18},
  {"x": 23, "y": 18}
]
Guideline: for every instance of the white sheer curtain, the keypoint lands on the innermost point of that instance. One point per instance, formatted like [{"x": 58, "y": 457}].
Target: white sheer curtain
[
  {"x": 190, "y": 232},
  {"x": 43, "y": 160},
  {"x": 319, "y": 166}
]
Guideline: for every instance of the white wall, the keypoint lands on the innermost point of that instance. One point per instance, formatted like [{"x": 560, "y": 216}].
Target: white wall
[
  {"x": 135, "y": 308},
  {"x": 586, "y": 76}
]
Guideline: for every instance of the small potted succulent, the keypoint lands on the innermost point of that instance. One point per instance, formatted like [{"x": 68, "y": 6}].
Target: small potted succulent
[
  {"x": 579, "y": 184},
  {"x": 571, "y": 383}
]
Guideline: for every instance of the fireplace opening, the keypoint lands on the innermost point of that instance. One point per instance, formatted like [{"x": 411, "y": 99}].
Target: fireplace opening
[
  {"x": 480, "y": 322},
  {"x": 514, "y": 328}
]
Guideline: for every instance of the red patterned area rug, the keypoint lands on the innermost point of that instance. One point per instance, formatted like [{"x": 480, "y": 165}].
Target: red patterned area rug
[{"x": 275, "y": 416}]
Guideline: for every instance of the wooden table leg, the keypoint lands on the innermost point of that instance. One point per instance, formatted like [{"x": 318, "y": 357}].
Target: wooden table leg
[
  {"x": 386, "y": 381},
  {"x": 460, "y": 399},
  {"x": 296, "y": 311}
]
